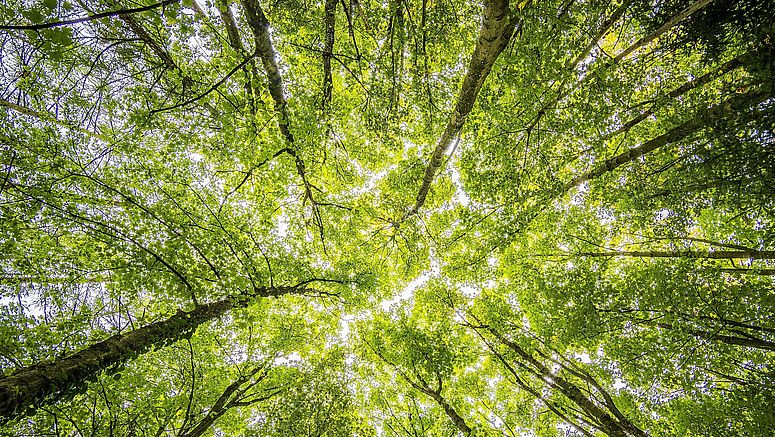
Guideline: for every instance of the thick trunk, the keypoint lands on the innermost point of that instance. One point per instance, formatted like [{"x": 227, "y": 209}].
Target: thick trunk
[
  {"x": 451, "y": 413},
  {"x": 235, "y": 41},
  {"x": 737, "y": 105},
  {"x": 497, "y": 27},
  {"x": 232, "y": 31},
  {"x": 259, "y": 25},
  {"x": 44, "y": 383}
]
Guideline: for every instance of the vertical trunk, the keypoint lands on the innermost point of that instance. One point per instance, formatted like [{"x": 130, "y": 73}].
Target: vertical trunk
[
  {"x": 235, "y": 41},
  {"x": 44, "y": 383},
  {"x": 497, "y": 27},
  {"x": 259, "y": 25}
]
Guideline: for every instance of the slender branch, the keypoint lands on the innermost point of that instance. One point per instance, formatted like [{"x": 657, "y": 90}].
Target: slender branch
[{"x": 88, "y": 18}]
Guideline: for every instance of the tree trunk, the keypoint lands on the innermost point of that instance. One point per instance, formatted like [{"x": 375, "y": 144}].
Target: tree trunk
[
  {"x": 259, "y": 25},
  {"x": 451, "y": 413},
  {"x": 495, "y": 34},
  {"x": 717, "y": 254},
  {"x": 735, "y": 105},
  {"x": 683, "y": 89},
  {"x": 44, "y": 383},
  {"x": 608, "y": 424},
  {"x": 752, "y": 342}
]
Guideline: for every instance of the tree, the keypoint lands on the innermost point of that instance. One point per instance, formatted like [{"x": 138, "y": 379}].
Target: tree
[{"x": 408, "y": 217}]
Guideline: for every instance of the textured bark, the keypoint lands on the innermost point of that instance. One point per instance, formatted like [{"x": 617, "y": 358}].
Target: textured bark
[
  {"x": 43, "y": 383},
  {"x": 735, "y": 106},
  {"x": 235, "y": 41},
  {"x": 498, "y": 25},
  {"x": 232, "y": 31},
  {"x": 617, "y": 427},
  {"x": 717, "y": 254},
  {"x": 694, "y": 7},
  {"x": 259, "y": 25},
  {"x": 451, "y": 413}
]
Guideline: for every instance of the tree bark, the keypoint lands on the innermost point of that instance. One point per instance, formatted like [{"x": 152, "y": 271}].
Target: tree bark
[
  {"x": 752, "y": 342},
  {"x": 718, "y": 254},
  {"x": 44, "y": 383},
  {"x": 608, "y": 424},
  {"x": 498, "y": 26},
  {"x": 259, "y": 25},
  {"x": 451, "y": 413},
  {"x": 734, "y": 105}
]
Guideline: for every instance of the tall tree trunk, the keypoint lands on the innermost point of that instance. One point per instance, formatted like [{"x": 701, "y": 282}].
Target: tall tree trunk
[
  {"x": 451, "y": 413},
  {"x": 618, "y": 427},
  {"x": 45, "y": 383},
  {"x": 750, "y": 341},
  {"x": 235, "y": 41},
  {"x": 259, "y": 25},
  {"x": 498, "y": 25},
  {"x": 718, "y": 254},
  {"x": 739, "y": 105}
]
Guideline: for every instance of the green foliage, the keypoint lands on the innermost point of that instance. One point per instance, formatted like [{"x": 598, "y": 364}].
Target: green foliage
[{"x": 147, "y": 169}]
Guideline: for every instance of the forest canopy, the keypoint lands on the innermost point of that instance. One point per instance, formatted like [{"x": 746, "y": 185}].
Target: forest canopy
[{"x": 392, "y": 218}]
